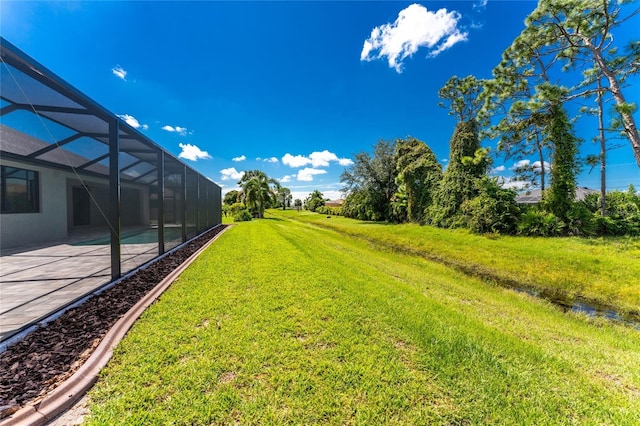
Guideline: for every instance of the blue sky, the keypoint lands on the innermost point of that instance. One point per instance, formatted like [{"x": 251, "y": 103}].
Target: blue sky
[{"x": 292, "y": 88}]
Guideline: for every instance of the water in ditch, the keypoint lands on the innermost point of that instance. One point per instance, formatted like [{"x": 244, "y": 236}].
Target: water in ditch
[{"x": 582, "y": 306}]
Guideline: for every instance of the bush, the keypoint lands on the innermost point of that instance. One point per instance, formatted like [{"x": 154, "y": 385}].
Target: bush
[
  {"x": 240, "y": 212},
  {"x": 579, "y": 221},
  {"x": 536, "y": 222},
  {"x": 363, "y": 205},
  {"x": 605, "y": 225},
  {"x": 494, "y": 210},
  {"x": 623, "y": 213},
  {"x": 334, "y": 211},
  {"x": 242, "y": 216}
]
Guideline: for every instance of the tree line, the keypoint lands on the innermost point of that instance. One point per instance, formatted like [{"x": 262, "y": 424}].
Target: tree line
[
  {"x": 259, "y": 192},
  {"x": 565, "y": 54},
  {"x": 524, "y": 106}
]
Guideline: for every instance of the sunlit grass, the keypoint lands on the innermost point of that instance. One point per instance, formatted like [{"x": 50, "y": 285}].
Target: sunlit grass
[
  {"x": 280, "y": 322},
  {"x": 604, "y": 270}
]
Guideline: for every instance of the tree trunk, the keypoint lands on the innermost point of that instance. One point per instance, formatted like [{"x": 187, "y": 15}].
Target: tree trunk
[
  {"x": 630, "y": 127},
  {"x": 542, "y": 170},
  {"x": 603, "y": 152}
]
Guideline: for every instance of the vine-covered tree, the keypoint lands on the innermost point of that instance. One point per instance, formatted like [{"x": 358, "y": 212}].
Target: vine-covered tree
[
  {"x": 468, "y": 162},
  {"x": 418, "y": 177},
  {"x": 565, "y": 166}
]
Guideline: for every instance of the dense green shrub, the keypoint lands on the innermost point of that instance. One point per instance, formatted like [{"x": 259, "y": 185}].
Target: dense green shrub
[
  {"x": 536, "y": 222},
  {"x": 579, "y": 221},
  {"x": 494, "y": 210},
  {"x": 623, "y": 213},
  {"x": 363, "y": 205},
  {"x": 242, "y": 216},
  {"x": 605, "y": 225},
  {"x": 334, "y": 211},
  {"x": 240, "y": 212}
]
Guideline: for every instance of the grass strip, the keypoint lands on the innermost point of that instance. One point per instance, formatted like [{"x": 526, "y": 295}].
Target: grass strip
[
  {"x": 603, "y": 271},
  {"x": 283, "y": 323}
]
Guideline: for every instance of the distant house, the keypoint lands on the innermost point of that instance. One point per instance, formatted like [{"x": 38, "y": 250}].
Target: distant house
[
  {"x": 534, "y": 196},
  {"x": 334, "y": 203}
]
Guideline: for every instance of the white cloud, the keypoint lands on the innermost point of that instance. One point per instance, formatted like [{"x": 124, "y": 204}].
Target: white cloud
[
  {"x": 119, "y": 72},
  {"x": 519, "y": 164},
  {"x": 345, "y": 161},
  {"x": 270, "y": 160},
  {"x": 231, "y": 173},
  {"x": 444, "y": 160},
  {"x": 451, "y": 40},
  {"x": 481, "y": 4},
  {"x": 315, "y": 159},
  {"x": 536, "y": 165},
  {"x": 192, "y": 152},
  {"x": 295, "y": 160},
  {"x": 286, "y": 178},
  {"x": 527, "y": 163},
  {"x": 301, "y": 194},
  {"x": 332, "y": 195},
  {"x": 306, "y": 174},
  {"x": 512, "y": 183},
  {"x": 133, "y": 122},
  {"x": 241, "y": 158},
  {"x": 415, "y": 27},
  {"x": 182, "y": 131},
  {"x": 498, "y": 169},
  {"x": 322, "y": 159}
]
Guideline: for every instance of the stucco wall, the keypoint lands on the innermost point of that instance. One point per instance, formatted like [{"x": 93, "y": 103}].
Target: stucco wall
[
  {"x": 55, "y": 218},
  {"x": 50, "y": 224}
]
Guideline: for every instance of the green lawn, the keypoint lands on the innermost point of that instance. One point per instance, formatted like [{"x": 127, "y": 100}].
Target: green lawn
[
  {"x": 285, "y": 322},
  {"x": 603, "y": 270}
]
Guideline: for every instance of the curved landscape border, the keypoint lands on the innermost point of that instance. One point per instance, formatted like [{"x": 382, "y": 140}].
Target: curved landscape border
[{"x": 71, "y": 390}]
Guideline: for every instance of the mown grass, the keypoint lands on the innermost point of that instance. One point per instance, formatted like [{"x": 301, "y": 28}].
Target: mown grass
[
  {"x": 280, "y": 322},
  {"x": 603, "y": 270}
]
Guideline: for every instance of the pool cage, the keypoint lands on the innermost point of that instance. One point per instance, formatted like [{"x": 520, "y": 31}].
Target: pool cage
[{"x": 73, "y": 171}]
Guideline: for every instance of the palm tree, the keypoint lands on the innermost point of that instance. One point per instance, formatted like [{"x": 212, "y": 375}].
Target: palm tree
[
  {"x": 284, "y": 195},
  {"x": 256, "y": 190}
]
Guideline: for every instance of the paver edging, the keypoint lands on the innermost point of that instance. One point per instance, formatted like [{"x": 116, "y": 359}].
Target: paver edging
[{"x": 72, "y": 389}]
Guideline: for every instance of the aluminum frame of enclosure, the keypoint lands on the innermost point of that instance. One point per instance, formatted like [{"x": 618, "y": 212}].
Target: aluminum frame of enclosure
[{"x": 83, "y": 138}]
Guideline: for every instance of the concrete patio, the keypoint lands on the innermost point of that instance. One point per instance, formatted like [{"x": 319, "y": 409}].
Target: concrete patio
[{"x": 37, "y": 281}]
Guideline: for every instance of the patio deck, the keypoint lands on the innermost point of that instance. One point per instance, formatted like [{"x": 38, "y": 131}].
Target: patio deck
[{"x": 38, "y": 281}]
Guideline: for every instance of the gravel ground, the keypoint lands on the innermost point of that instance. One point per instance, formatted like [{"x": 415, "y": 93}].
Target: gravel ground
[{"x": 46, "y": 357}]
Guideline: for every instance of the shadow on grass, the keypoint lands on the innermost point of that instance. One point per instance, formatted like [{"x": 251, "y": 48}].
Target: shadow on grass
[{"x": 276, "y": 219}]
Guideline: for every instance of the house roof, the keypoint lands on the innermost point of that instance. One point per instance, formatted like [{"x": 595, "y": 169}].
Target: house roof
[
  {"x": 21, "y": 144},
  {"x": 534, "y": 196}
]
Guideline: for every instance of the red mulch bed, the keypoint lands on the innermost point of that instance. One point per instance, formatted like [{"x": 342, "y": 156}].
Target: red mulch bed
[{"x": 34, "y": 366}]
